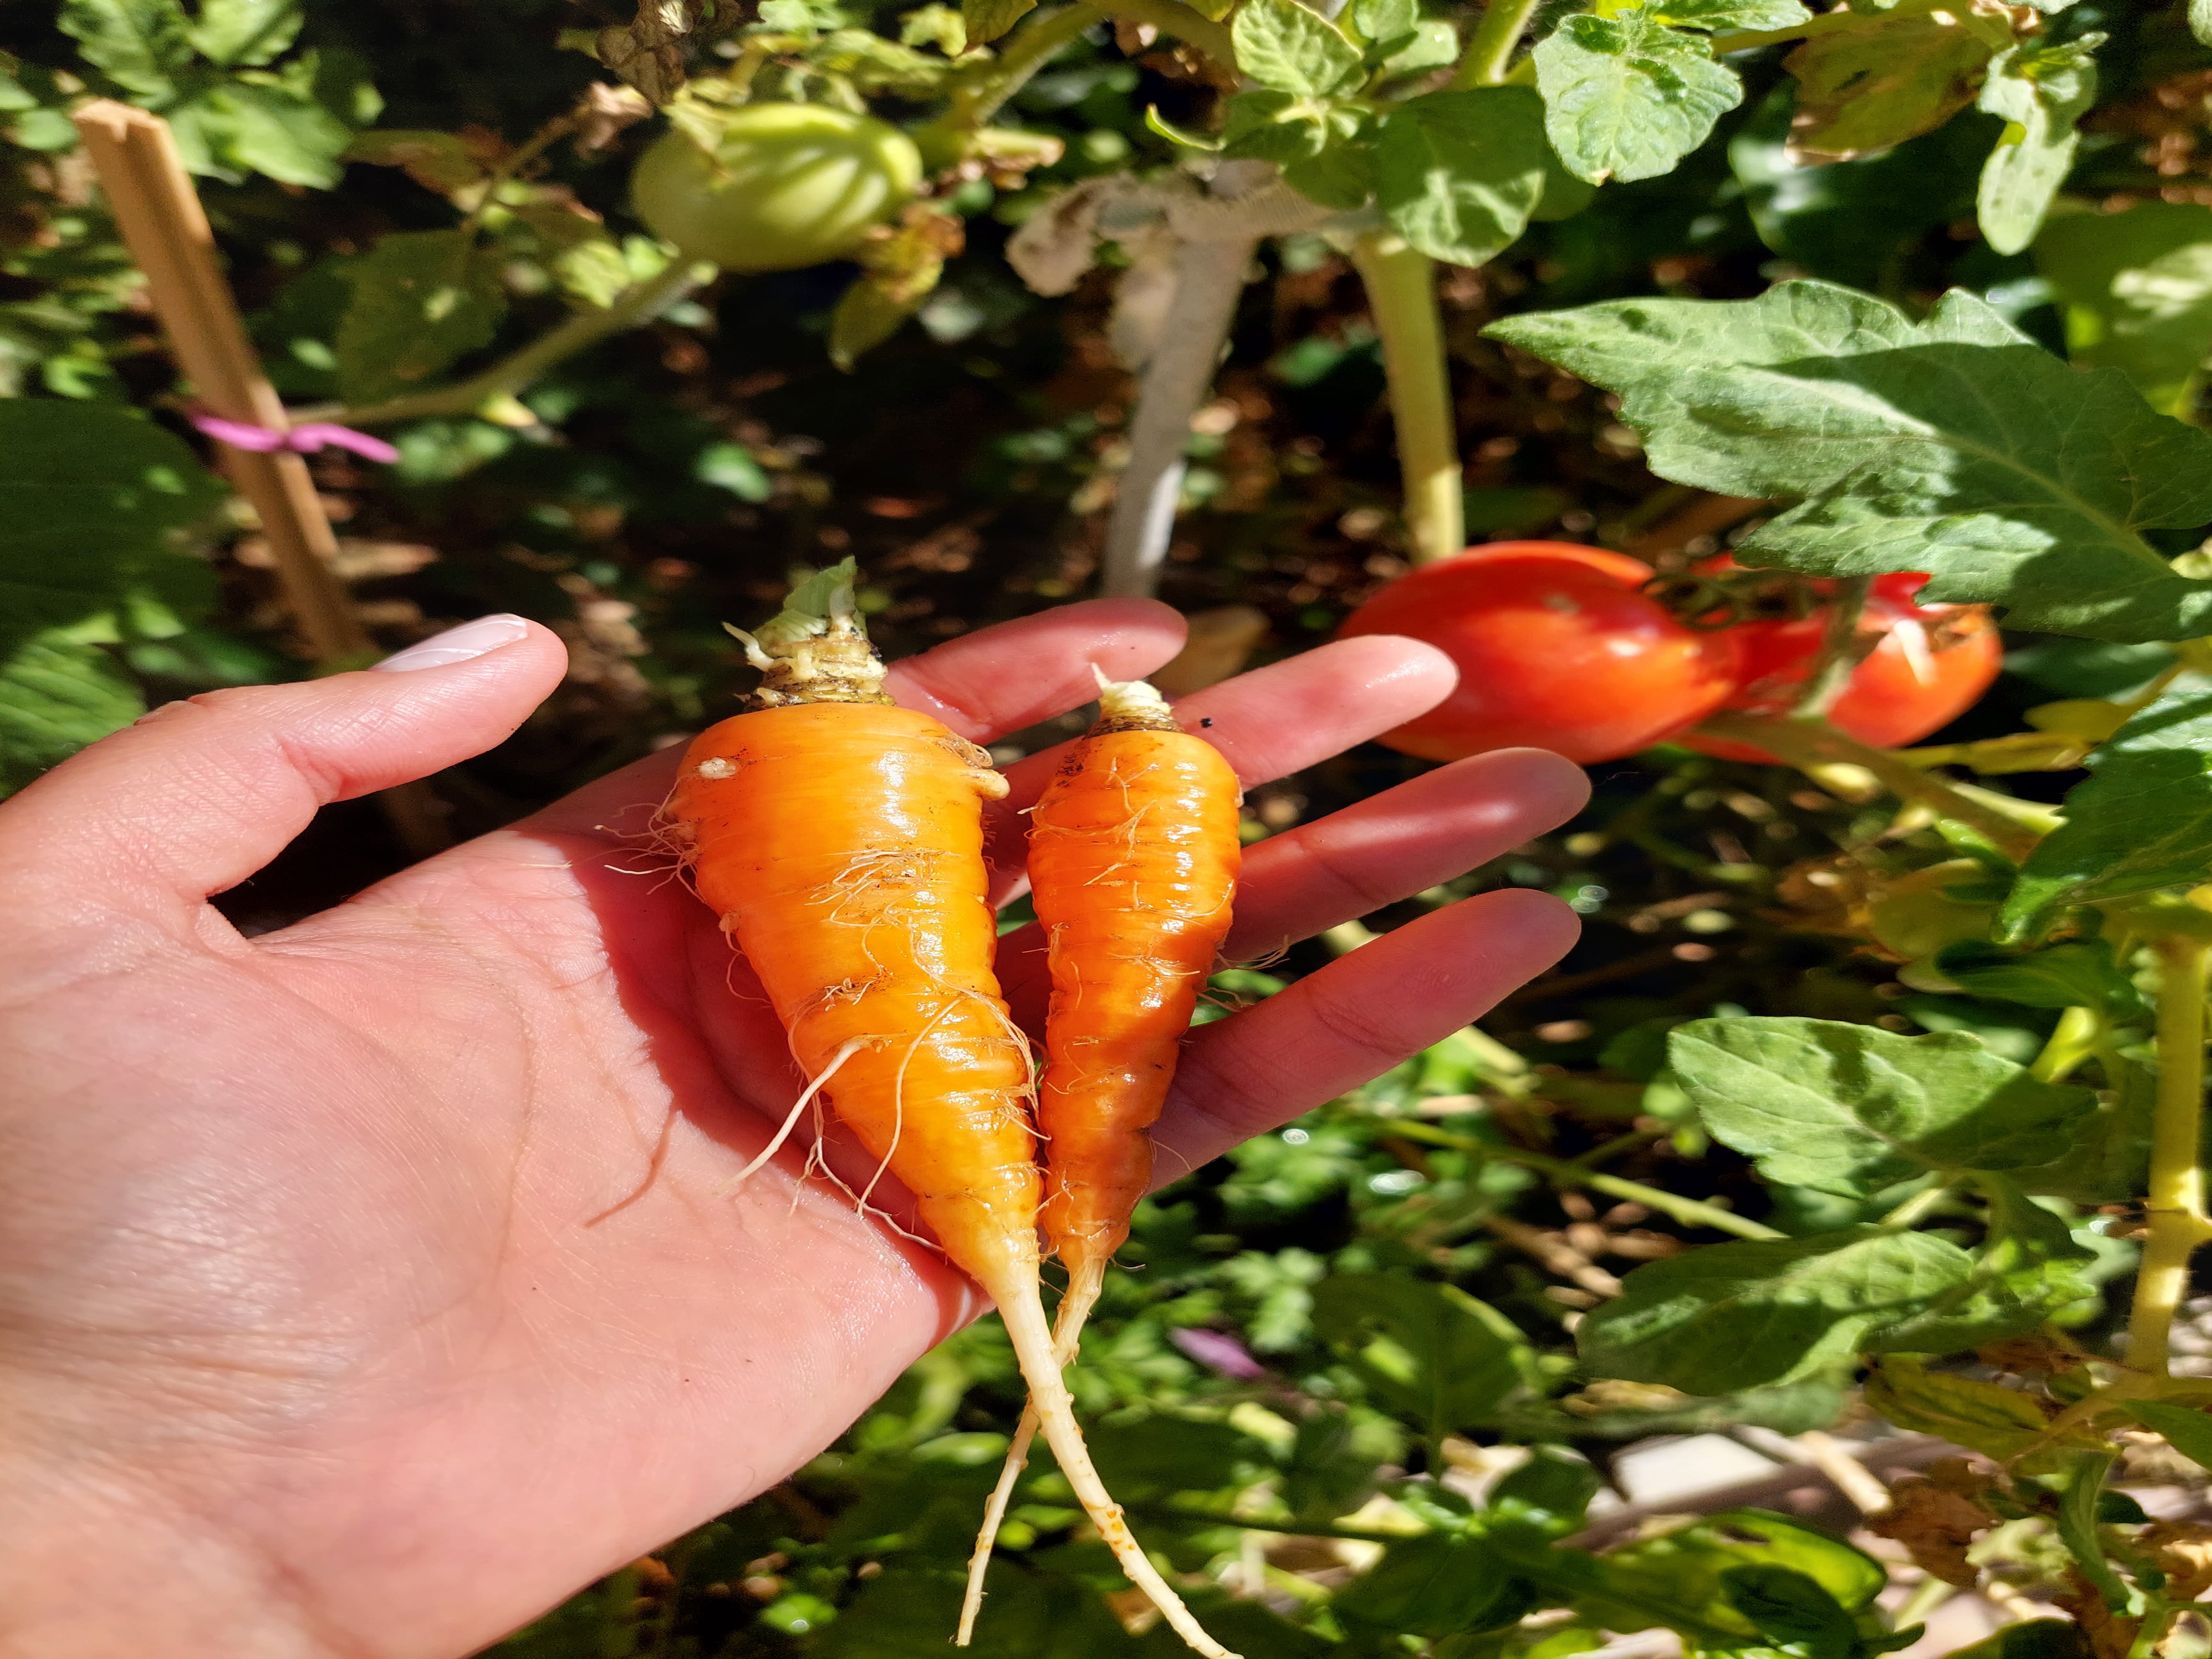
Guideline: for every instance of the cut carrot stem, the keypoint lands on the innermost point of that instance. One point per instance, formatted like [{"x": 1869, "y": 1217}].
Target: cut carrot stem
[
  {"x": 1133, "y": 855},
  {"x": 840, "y": 838}
]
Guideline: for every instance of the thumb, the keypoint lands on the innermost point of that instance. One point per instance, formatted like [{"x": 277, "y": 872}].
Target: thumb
[{"x": 199, "y": 794}]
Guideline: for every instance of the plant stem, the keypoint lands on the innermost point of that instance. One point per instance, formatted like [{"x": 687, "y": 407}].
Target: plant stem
[
  {"x": 1839, "y": 650},
  {"x": 1172, "y": 17},
  {"x": 1750, "y": 39},
  {"x": 1808, "y": 743},
  {"x": 2072, "y": 1040},
  {"x": 2175, "y": 1206},
  {"x": 1039, "y": 40},
  {"x": 638, "y": 304},
  {"x": 1689, "y": 1212},
  {"x": 1401, "y": 293},
  {"x": 1209, "y": 278},
  {"x": 1490, "y": 51}
]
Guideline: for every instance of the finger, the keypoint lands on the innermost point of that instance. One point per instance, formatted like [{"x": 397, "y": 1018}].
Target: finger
[
  {"x": 996, "y": 680},
  {"x": 1000, "y": 679},
  {"x": 200, "y": 794},
  {"x": 1391, "y": 846},
  {"x": 1355, "y": 1020}
]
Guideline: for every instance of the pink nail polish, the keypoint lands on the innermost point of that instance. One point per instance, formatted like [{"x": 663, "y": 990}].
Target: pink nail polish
[{"x": 470, "y": 639}]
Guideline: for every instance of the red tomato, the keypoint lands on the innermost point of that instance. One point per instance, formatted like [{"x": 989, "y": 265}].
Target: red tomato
[
  {"x": 1556, "y": 649},
  {"x": 1933, "y": 664}
]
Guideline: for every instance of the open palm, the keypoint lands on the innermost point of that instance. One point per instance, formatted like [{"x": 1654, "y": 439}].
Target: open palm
[{"x": 366, "y": 1286}]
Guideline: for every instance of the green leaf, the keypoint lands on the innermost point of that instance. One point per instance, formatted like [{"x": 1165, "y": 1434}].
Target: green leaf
[
  {"x": 2035, "y": 1638},
  {"x": 435, "y": 160},
  {"x": 1551, "y": 1491},
  {"x": 420, "y": 299},
  {"x": 2040, "y": 92},
  {"x": 1998, "y": 1422},
  {"x": 1790, "y": 1608},
  {"x": 1952, "y": 445},
  {"x": 1625, "y": 98},
  {"x": 2077, "y": 1526},
  {"x": 1282, "y": 45},
  {"x": 1681, "y": 1578},
  {"x": 2188, "y": 1430},
  {"x": 1851, "y": 1109},
  {"x": 1432, "y": 1351},
  {"x": 1378, "y": 22},
  {"x": 2200, "y": 21},
  {"x": 245, "y": 33},
  {"x": 2142, "y": 821},
  {"x": 1431, "y": 1586},
  {"x": 1874, "y": 83},
  {"x": 2138, "y": 289},
  {"x": 56, "y": 696},
  {"x": 987, "y": 20},
  {"x": 143, "y": 45},
  {"x": 1433, "y": 43},
  {"x": 2029, "y": 1269},
  {"x": 90, "y": 500},
  {"x": 1183, "y": 137},
  {"x": 1459, "y": 172},
  {"x": 1733, "y": 1316},
  {"x": 279, "y": 131},
  {"x": 1730, "y": 14},
  {"x": 2078, "y": 974},
  {"x": 1341, "y": 176}
]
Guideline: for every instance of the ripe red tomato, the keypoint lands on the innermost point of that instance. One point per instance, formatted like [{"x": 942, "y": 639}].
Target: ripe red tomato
[
  {"x": 787, "y": 186},
  {"x": 1932, "y": 665},
  {"x": 1556, "y": 648}
]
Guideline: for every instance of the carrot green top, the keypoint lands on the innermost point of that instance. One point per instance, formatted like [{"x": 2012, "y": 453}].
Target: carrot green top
[{"x": 816, "y": 649}]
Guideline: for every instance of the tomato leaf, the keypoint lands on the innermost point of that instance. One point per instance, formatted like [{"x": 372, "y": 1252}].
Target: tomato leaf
[
  {"x": 436, "y": 160},
  {"x": 2079, "y": 973},
  {"x": 987, "y": 20},
  {"x": 262, "y": 123},
  {"x": 1682, "y": 1578},
  {"x": 143, "y": 45},
  {"x": 2142, "y": 820},
  {"x": 1999, "y": 1422},
  {"x": 1790, "y": 1608},
  {"x": 245, "y": 33},
  {"x": 90, "y": 500},
  {"x": 420, "y": 299},
  {"x": 2187, "y": 1430},
  {"x": 1433, "y": 1350},
  {"x": 2200, "y": 20},
  {"x": 1433, "y": 1585},
  {"x": 1282, "y": 45},
  {"x": 1952, "y": 446},
  {"x": 2040, "y": 92},
  {"x": 1730, "y": 14},
  {"x": 1731, "y": 1317},
  {"x": 2137, "y": 289},
  {"x": 56, "y": 695},
  {"x": 1851, "y": 1109},
  {"x": 2029, "y": 1267},
  {"x": 1876, "y": 83},
  {"x": 1459, "y": 172},
  {"x": 1625, "y": 97}
]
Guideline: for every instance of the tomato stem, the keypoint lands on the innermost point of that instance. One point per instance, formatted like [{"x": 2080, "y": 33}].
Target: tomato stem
[
  {"x": 1841, "y": 650},
  {"x": 1401, "y": 293},
  {"x": 1490, "y": 51},
  {"x": 2175, "y": 1205},
  {"x": 1185, "y": 23},
  {"x": 1040, "y": 40},
  {"x": 636, "y": 306},
  {"x": 1808, "y": 743}
]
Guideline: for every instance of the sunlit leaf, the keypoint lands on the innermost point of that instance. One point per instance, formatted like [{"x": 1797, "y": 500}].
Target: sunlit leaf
[{"x": 1625, "y": 97}]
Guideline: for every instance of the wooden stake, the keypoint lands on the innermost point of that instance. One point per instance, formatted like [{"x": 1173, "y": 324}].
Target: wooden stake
[{"x": 159, "y": 213}]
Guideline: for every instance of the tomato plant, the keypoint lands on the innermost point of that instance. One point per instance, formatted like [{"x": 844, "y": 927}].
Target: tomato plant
[
  {"x": 1869, "y": 1085},
  {"x": 1924, "y": 665},
  {"x": 785, "y": 185},
  {"x": 1556, "y": 648}
]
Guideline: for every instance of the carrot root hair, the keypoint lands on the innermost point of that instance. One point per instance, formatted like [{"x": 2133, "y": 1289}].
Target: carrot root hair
[{"x": 791, "y": 1118}]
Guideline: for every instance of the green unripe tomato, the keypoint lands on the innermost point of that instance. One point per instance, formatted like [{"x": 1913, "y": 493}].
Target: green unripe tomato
[{"x": 787, "y": 186}]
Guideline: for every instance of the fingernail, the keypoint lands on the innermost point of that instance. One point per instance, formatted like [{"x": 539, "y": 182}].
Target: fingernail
[{"x": 470, "y": 639}]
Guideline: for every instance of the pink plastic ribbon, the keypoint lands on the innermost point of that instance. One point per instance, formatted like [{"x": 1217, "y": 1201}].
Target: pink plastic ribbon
[{"x": 303, "y": 440}]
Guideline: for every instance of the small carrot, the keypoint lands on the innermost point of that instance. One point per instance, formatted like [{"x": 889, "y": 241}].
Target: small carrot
[
  {"x": 1133, "y": 855},
  {"x": 840, "y": 839}
]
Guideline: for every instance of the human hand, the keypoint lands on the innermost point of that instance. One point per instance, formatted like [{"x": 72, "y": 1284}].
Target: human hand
[{"x": 366, "y": 1286}]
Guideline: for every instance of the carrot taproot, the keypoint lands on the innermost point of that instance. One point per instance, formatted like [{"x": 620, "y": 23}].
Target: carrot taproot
[
  {"x": 1133, "y": 862},
  {"x": 840, "y": 838}
]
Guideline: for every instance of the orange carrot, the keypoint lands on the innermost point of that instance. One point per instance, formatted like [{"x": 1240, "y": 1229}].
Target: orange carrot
[
  {"x": 1133, "y": 855},
  {"x": 840, "y": 839}
]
